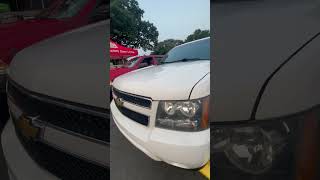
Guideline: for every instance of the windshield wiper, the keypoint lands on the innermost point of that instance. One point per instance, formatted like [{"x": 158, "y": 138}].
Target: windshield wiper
[{"x": 184, "y": 60}]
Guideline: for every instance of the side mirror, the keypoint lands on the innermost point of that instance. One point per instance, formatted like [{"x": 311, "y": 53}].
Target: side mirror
[{"x": 142, "y": 65}]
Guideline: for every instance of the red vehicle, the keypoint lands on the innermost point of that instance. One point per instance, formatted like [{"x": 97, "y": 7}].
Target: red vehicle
[
  {"x": 135, "y": 63},
  {"x": 61, "y": 16}
]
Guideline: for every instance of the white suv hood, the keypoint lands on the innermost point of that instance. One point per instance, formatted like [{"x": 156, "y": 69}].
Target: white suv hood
[
  {"x": 71, "y": 66},
  {"x": 173, "y": 81}
]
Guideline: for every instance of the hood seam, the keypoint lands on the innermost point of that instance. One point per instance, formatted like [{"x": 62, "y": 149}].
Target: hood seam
[{"x": 196, "y": 84}]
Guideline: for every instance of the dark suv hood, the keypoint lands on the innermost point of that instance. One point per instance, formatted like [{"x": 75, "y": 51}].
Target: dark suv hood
[{"x": 251, "y": 39}]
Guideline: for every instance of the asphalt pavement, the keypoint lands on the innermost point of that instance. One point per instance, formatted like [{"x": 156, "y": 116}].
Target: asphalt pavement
[{"x": 129, "y": 163}]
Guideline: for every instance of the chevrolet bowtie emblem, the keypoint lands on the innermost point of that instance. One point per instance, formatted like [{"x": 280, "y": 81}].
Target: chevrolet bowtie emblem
[
  {"x": 26, "y": 128},
  {"x": 119, "y": 102}
]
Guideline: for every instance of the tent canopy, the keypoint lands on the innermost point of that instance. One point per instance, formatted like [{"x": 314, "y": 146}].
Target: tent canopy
[{"x": 118, "y": 52}]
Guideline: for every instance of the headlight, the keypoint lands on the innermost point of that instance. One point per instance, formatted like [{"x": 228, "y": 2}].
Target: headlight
[
  {"x": 257, "y": 149},
  {"x": 191, "y": 115}
]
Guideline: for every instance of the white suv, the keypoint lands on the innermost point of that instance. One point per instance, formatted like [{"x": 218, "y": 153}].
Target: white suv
[
  {"x": 163, "y": 110},
  {"x": 59, "y": 117}
]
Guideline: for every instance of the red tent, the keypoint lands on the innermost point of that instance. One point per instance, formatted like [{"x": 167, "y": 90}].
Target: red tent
[{"x": 118, "y": 52}]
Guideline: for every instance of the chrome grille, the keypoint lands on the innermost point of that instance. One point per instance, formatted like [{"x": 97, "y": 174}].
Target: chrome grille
[
  {"x": 94, "y": 123},
  {"x": 134, "y": 99}
]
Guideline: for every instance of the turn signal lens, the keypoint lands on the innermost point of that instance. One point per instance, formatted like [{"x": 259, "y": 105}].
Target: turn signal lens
[{"x": 205, "y": 113}]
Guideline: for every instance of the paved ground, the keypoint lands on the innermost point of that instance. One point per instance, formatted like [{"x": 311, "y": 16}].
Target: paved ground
[
  {"x": 3, "y": 119},
  {"x": 129, "y": 163}
]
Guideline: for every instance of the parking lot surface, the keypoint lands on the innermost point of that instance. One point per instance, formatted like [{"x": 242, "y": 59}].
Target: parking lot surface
[{"x": 129, "y": 163}]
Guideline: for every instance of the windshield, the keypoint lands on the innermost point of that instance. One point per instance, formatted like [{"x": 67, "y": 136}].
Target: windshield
[
  {"x": 198, "y": 50},
  {"x": 131, "y": 63},
  {"x": 63, "y": 9}
]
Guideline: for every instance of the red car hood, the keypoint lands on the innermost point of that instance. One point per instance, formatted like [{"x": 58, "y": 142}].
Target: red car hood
[
  {"x": 21, "y": 34},
  {"x": 114, "y": 73}
]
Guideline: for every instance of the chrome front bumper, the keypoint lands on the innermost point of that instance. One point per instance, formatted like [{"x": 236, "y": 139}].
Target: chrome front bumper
[{"x": 20, "y": 165}]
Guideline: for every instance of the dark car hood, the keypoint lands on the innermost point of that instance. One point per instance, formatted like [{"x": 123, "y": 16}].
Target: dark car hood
[{"x": 251, "y": 39}]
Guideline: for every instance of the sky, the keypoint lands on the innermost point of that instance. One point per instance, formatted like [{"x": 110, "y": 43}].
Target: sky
[{"x": 176, "y": 19}]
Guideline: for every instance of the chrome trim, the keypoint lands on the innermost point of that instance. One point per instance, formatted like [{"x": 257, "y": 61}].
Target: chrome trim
[
  {"x": 97, "y": 141},
  {"x": 134, "y": 95},
  {"x": 59, "y": 102},
  {"x": 76, "y": 146}
]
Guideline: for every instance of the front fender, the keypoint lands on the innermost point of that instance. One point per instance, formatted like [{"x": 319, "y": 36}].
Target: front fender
[{"x": 295, "y": 87}]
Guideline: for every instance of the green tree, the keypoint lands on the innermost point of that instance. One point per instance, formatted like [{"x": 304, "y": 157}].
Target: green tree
[
  {"x": 198, "y": 34},
  {"x": 128, "y": 28},
  {"x": 164, "y": 46},
  {"x": 4, "y": 7}
]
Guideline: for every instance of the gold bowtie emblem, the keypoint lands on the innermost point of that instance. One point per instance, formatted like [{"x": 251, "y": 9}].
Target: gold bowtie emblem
[
  {"x": 26, "y": 128},
  {"x": 119, "y": 102}
]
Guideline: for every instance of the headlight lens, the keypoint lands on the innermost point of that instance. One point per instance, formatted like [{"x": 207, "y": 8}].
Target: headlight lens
[
  {"x": 189, "y": 115},
  {"x": 252, "y": 148}
]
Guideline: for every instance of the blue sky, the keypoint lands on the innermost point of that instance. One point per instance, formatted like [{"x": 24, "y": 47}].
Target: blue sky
[{"x": 176, "y": 18}]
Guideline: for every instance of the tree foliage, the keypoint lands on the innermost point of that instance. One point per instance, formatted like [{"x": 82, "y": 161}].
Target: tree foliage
[
  {"x": 164, "y": 46},
  {"x": 198, "y": 34},
  {"x": 128, "y": 28}
]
